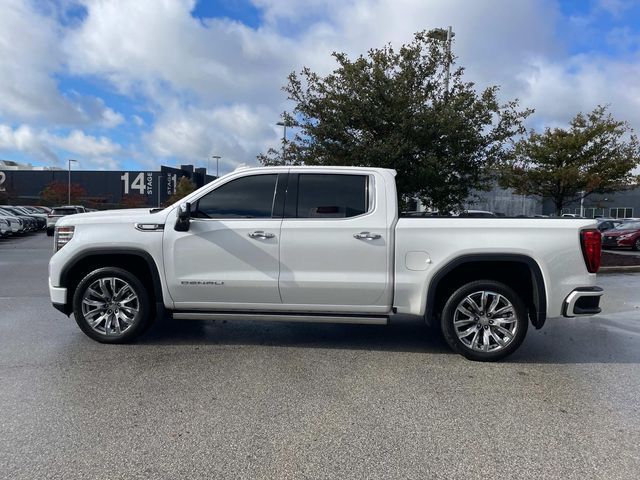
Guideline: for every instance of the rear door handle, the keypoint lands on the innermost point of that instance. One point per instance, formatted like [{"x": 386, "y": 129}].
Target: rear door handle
[
  {"x": 367, "y": 236},
  {"x": 261, "y": 234}
]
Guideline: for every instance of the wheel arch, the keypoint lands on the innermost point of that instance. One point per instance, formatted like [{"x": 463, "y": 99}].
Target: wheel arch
[
  {"x": 505, "y": 268},
  {"x": 137, "y": 262}
]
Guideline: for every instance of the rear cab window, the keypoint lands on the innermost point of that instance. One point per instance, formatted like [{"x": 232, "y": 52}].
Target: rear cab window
[
  {"x": 64, "y": 211},
  {"x": 323, "y": 195}
]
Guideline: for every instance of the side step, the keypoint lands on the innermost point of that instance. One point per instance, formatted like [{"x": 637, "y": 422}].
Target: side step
[{"x": 283, "y": 317}]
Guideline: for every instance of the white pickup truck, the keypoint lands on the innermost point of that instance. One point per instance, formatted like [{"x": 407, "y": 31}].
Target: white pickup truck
[{"x": 317, "y": 244}]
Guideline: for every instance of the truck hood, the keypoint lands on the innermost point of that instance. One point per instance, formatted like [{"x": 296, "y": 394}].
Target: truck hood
[{"x": 129, "y": 215}]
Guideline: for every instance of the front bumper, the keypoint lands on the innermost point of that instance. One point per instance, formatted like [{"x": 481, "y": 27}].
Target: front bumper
[
  {"x": 58, "y": 297},
  {"x": 583, "y": 301}
]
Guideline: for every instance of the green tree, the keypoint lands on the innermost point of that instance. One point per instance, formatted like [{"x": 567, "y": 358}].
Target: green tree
[
  {"x": 390, "y": 109},
  {"x": 596, "y": 154},
  {"x": 184, "y": 188},
  {"x": 57, "y": 193}
]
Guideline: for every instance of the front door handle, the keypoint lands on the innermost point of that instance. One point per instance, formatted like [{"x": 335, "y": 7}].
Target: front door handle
[
  {"x": 366, "y": 236},
  {"x": 261, "y": 234}
]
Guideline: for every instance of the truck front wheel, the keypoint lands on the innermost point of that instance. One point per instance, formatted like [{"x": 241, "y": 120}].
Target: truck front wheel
[
  {"x": 484, "y": 320},
  {"x": 111, "y": 305}
]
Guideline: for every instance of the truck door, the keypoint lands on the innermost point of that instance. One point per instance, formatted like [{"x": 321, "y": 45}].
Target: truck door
[
  {"x": 229, "y": 257},
  {"x": 336, "y": 244}
]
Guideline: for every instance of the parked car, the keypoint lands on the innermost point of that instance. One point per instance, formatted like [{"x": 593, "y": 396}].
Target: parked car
[
  {"x": 41, "y": 218},
  {"x": 322, "y": 244},
  {"x": 29, "y": 224},
  {"x": 15, "y": 224},
  {"x": 5, "y": 227},
  {"x": 57, "y": 213},
  {"x": 605, "y": 224},
  {"x": 571, "y": 215},
  {"x": 625, "y": 234},
  {"x": 41, "y": 208}
]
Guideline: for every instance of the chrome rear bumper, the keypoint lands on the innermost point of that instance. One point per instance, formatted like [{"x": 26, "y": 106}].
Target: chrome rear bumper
[{"x": 582, "y": 302}]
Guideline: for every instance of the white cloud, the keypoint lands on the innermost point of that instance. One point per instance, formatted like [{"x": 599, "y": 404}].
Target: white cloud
[
  {"x": 559, "y": 90},
  {"x": 30, "y": 56},
  {"x": 138, "y": 120},
  {"x": 159, "y": 50},
  {"x": 615, "y": 7},
  {"x": 94, "y": 151},
  {"x": 79, "y": 143},
  {"x": 213, "y": 86},
  {"x": 24, "y": 139},
  {"x": 236, "y": 133}
]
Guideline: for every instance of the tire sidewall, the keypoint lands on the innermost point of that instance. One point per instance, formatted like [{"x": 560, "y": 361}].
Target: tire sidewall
[
  {"x": 144, "y": 313},
  {"x": 448, "y": 311}
]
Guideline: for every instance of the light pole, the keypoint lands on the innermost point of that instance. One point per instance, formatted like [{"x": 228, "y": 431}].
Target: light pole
[
  {"x": 444, "y": 35},
  {"x": 288, "y": 122},
  {"x": 217, "y": 158},
  {"x": 69, "y": 183}
]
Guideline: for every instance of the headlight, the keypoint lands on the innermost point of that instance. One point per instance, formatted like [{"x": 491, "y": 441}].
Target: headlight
[{"x": 62, "y": 236}]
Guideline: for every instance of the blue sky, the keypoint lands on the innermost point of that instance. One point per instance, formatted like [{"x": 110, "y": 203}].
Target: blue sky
[{"x": 133, "y": 84}]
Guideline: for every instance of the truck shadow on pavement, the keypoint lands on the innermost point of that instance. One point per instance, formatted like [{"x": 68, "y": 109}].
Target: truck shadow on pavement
[
  {"x": 405, "y": 338},
  {"x": 561, "y": 341}
]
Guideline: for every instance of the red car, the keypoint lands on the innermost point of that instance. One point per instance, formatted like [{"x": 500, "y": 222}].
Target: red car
[{"x": 626, "y": 234}]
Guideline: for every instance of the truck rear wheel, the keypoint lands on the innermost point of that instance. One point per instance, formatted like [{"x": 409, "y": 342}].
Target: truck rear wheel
[
  {"x": 111, "y": 305},
  {"x": 484, "y": 320}
]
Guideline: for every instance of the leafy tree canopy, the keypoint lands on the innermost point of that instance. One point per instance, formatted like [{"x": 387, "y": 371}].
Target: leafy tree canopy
[
  {"x": 596, "y": 154},
  {"x": 57, "y": 193},
  {"x": 390, "y": 109},
  {"x": 184, "y": 188}
]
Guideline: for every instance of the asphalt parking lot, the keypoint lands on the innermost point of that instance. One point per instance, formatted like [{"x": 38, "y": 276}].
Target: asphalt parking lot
[{"x": 254, "y": 400}]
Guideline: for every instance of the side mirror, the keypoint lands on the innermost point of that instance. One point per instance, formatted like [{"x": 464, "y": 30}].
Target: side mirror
[{"x": 184, "y": 215}]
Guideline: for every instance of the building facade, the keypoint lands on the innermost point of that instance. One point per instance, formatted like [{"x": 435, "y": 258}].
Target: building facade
[
  {"x": 621, "y": 204},
  {"x": 21, "y": 185}
]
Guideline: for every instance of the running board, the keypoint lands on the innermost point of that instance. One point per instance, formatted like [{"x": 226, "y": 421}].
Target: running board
[{"x": 283, "y": 317}]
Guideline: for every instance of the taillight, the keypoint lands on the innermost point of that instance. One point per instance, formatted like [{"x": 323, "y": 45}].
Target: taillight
[{"x": 591, "y": 241}]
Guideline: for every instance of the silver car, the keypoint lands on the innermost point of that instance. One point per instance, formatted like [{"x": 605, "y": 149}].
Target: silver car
[{"x": 59, "y": 212}]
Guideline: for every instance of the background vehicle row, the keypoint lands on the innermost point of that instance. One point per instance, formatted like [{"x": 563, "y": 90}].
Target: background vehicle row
[{"x": 16, "y": 220}]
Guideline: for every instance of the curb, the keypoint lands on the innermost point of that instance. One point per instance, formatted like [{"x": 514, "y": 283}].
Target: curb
[{"x": 620, "y": 269}]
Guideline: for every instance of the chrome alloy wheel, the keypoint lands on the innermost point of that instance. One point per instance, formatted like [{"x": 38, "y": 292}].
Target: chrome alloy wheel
[
  {"x": 110, "y": 306},
  {"x": 485, "y": 321}
]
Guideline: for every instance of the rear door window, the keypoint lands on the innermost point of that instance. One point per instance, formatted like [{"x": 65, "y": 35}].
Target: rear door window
[{"x": 323, "y": 195}]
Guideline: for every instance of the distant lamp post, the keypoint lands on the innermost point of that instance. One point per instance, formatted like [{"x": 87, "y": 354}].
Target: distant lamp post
[
  {"x": 69, "y": 182},
  {"x": 217, "y": 159},
  {"x": 288, "y": 122},
  {"x": 444, "y": 35}
]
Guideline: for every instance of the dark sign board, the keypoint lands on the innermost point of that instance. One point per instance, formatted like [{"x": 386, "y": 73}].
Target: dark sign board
[{"x": 108, "y": 187}]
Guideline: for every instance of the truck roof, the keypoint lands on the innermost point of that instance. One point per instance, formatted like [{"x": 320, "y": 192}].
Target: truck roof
[{"x": 314, "y": 167}]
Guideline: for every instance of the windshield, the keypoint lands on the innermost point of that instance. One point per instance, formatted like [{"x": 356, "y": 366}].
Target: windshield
[
  {"x": 7, "y": 212},
  {"x": 64, "y": 211},
  {"x": 628, "y": 226}
]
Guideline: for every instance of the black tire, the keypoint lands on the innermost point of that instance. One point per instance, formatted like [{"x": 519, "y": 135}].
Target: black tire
[
  {"x": 142, "y": 320},
  {"x": 49, "y": 232},
  {"x": 636, "y": 245},
  {"x": 449, "y": 330}
]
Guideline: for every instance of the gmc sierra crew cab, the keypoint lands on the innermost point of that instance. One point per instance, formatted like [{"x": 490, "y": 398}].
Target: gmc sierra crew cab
[{"x": 319, "y": 244}]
